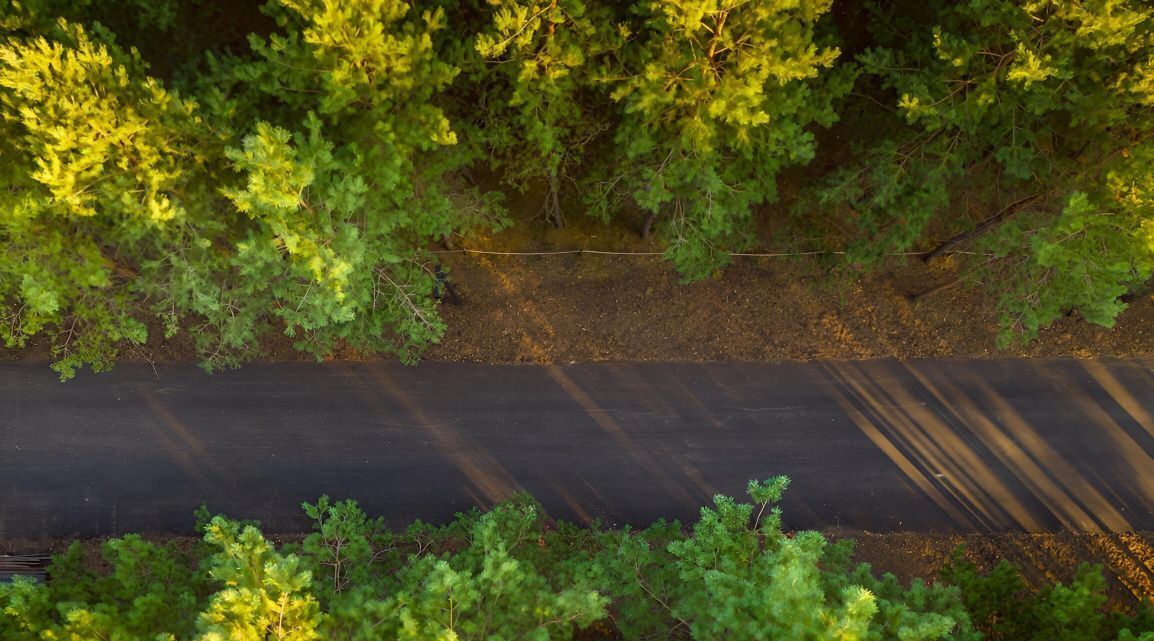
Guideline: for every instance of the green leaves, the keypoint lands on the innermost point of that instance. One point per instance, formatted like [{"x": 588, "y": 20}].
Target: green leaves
[
  {"x": 758, "y": 584},
  {"x": 487, "y": 591},
  {"x": 511, "y": 573},
  {"x": 98, "y": 160},
  {"x": 715, "y": 99},
  {"x": 345, "y": 174},
  {"x": 1003, "y": 608},
  {"x": 739, "y": 575},
  {"x": 346, "y": 545},
  {"x": 149, "y": 592},
  {"x": 114, "y": 146},
  {"x": 1087, "y": 259},
  {"x": 265, "y": 595},
  {"x": 540, "y": 62},
  {"x": 370, "y": 56},
  {"x": 274, "y": 195},
  {"x": 326, "y": 147},
  {"x": 1008, "y": 99}
]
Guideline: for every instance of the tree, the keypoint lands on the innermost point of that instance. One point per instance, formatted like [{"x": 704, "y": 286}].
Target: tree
[
  {"x": 716, "y": 96},
  {"x": 98, "y": 183},
  {"x": 34, "y": 17},
  {"x": 486, "y": 587},
  {"x": 738, "y": 575},
  {"x": 541, "y": 113},
  {"x": 343, "y": 164},
  {"x": 299, "y": 192},
  {"x": 149, "y": 591},
  {"x": 1041, "y": 111},
  {"x": 1002, "y": 607},
  {"x": 265, "y": 595}
]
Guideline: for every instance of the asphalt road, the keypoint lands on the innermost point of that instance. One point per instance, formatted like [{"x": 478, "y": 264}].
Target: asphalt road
[{"x": 879, "y": 445}]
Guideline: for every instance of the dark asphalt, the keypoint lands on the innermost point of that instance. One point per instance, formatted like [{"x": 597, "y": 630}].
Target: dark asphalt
[{"x": 878, "y": 445}]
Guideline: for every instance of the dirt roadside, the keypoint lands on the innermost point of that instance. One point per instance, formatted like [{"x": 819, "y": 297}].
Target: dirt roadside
[
  {"x": 588, "y": 307},
  {"x": 632, "y": 306}
]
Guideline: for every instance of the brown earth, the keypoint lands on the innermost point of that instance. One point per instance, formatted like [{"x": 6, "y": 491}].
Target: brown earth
[
  {"x": 593, "y": 307},
  {"x": 596, "y": 307}
]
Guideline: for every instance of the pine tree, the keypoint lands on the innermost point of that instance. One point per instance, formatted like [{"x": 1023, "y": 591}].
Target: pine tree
[
  {"x": 101, "y": 164},
  {"x": 716, "y": 96},
  {"x": 738, "y": 575},
  {"x": 266, "y": 595},
  {"x": 542, "y": 109},
  {"x": 343, "y": 163},
  {"x": 1039, "y": 110}
]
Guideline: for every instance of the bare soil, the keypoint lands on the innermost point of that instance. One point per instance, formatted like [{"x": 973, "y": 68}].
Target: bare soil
[
  {"x": 594, "y": 308},
  {"x": 598, "y": 307}
]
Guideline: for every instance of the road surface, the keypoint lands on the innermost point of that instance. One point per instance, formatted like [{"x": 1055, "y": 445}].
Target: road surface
[{"x": 942, "y": 445}]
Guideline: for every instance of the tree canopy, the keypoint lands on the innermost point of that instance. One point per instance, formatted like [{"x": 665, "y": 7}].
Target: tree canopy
[
  {"x": 511, "y": 572},
  {"x": 295, "y": 182}
]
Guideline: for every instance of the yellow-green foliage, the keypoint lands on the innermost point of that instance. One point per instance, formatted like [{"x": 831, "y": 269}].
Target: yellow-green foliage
[
  {"x": 296, "y": 185},
  {"x": 276, "y": 195},
  {"x": 263, "y": 595},
  {"x": 96, "y": 159},
  {"x": 103, "y": 140},
  {"x": 298, "y": 196},
  {"x": 1043, "y": 102},
  {"x": 716, "y": 98},
  {"x": 507, "y": 573},
  {"x": 540, "y": 60}
]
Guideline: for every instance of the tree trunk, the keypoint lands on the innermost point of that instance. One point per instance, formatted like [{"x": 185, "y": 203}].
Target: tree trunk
[
  {"x": 467, "y": 174},
  {"x": 647, "y": 226},
  {"x": 553, "y": 203}
]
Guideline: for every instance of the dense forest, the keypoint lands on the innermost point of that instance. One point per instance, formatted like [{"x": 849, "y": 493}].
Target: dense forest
[
  {"x": 226, "y": 170},
  {"x": 513, "y": 573}
]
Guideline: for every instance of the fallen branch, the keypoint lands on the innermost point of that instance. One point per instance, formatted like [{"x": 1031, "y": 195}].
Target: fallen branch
[{"x": 984, "y": 227}]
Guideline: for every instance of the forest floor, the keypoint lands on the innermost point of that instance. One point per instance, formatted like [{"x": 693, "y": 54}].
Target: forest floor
[{"x": 595, "y": 307}]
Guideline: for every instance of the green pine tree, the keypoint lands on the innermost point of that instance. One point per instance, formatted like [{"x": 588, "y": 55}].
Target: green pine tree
[
  {"x": 716, "y": 97},
  {"x": 1038, "y": 110}
]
